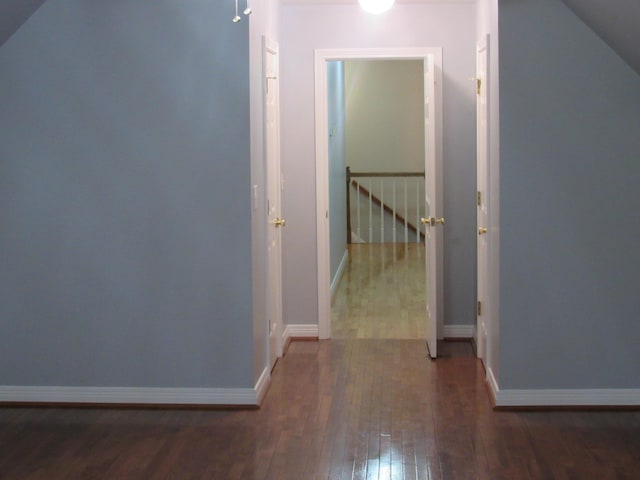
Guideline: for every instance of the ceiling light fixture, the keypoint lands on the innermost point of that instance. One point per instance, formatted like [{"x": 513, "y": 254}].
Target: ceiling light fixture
[{"x": 376, "y": 6}]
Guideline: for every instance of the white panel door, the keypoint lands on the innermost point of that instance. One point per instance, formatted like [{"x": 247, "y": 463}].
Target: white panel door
[
  {"x": 482, "y": 195},
  {"x": 274, "y": 193},
  {"x": 433, "y": 221}
]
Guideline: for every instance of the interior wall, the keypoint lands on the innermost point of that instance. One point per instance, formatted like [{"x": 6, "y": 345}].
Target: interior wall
[
  {"x": 385, "y": 115},
  {"x": 306, "y": 28},
  {"x": 124, "y": 197},
  {"x": 569, "y": 173},
  {"x": 337, "y": 165}
]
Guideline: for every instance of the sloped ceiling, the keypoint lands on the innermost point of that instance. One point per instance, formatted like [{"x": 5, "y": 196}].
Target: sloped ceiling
[
  {"x": 13, "y": 13},
  {"x": 617, "y": 22}
]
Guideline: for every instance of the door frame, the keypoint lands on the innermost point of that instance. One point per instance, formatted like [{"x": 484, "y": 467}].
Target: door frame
[{"x": 321, "y": 57}]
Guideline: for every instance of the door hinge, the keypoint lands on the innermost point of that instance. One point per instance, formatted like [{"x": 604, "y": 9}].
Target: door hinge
[
  {"x": 479, "y": 198},
  {"x": 479, "y": 308},
  {"x": 478, "y": 85}
]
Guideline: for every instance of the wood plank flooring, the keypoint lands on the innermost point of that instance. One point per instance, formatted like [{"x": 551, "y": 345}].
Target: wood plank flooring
[
  {"x": 381, "y": 293},
  {"x": 338, "y": 409},
  {"x": 367, "y": 404}
]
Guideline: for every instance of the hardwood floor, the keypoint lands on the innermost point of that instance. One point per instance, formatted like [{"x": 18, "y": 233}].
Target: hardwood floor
[
  {"x": 382, "y": 293},
  {"x": 339, "y": 409},
  {"x": 354, "y": 407}
]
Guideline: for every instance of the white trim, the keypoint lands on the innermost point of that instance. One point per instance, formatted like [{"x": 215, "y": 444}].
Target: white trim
[
  {"x": 131, "y": 395},
  {"x": 299, "y": 331},
  {"x": 568, "y": 398},
  {"x": 596, "y": 397},
  {"x": 458, "y": 331},
  {"x": 321, "y": 57},
  {"x": 493, "y": 384},
  {"x": 262, "y": 385},
  {"x": 339, "y": 273}
]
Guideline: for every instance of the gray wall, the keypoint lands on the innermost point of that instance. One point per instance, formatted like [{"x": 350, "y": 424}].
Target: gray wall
[
  {"x": 337, "y": 166},
  {"x": 569, "y": 202},
  {"x": 124, "y": 197},
  {"x": 306, "y": 28}
]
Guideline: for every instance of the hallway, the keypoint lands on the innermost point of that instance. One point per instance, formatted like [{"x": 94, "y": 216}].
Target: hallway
[
  {"x": 338, "y": 409},
  {"x": 367, "y": 404},
  {"x": 381, "y": 293}
]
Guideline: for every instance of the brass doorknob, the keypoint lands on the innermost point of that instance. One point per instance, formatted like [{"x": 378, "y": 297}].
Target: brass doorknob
[
  {"x": 428, "y": 221},
  {"x": 439, "y": 221},
  {"x": 482, "y": 231},
  {"x": 279, "y": 222}
]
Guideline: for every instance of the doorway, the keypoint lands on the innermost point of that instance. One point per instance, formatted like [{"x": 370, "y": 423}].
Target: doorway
[
  {"x": 432, "y": 60},
  {"x": 376, "y": 125}
]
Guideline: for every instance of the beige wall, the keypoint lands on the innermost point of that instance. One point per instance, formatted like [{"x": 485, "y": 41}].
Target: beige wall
[{"x": 384, "y": 115}]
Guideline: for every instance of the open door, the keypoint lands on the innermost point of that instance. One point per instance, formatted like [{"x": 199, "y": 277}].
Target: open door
[
  {"x": 433, "y": 220},
  {"x": 275, "y": 220},
  {"x": 432, "y": 60},
  {"x": 482, "y": 57}
]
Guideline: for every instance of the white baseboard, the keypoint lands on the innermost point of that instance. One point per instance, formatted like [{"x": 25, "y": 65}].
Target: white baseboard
[
  {"x": 311, "y": 331},
  {"x": 262, "y": 385},
  {"x": 606, "y": 397},
  {"x": 299, "y": 331},
  {"x": 338, "y": 276},
  {"x": 458, "y": 331},
  {"x": 132, "y": 395},
  {"x": 493, "y": 385}
]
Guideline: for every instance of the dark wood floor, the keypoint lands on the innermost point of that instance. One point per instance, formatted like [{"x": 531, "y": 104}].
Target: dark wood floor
[{"x": 339, "y": 409}]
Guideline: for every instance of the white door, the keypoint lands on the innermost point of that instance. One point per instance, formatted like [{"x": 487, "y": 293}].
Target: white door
[
  {"x": 275, "y": 220},
  {"x": 483, "y": 190},
  {"x": 433, "y": 221}
]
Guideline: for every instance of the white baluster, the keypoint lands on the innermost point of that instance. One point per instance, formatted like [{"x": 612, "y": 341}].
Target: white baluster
[
  {"x": 358, "y": 209},
  {"x": 370, "y": 214},
  {"x": 406, "y": 213},
  {"x": 381, "y": 210},
  {"x": 394, "y": 210},
  {"x": 417, "y": 209}
]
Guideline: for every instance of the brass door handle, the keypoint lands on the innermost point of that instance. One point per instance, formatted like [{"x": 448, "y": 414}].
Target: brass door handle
[
  {"x": 432, "y": 221},
  {"x": 279, "y": 222},
  {"x": 482, "y": 231}
]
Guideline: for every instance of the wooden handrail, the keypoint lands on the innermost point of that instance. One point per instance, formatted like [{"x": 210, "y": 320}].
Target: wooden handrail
[
  {"x": 377, "y": 201},
  {"x": 385, "y": 174}
]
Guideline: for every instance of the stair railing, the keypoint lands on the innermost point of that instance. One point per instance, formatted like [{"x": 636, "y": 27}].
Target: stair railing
[{"x": 384, "y": 206}]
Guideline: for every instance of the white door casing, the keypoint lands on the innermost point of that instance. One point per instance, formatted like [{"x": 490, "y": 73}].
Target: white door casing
[
  {"x": 427, "y": 54},
  {"x": 274, "y": 194},
  {"x": 482, "y": 159}
]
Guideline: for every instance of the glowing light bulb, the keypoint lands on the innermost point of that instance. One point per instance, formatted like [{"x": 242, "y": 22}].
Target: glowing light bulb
[{"x": 376, "y": 6}]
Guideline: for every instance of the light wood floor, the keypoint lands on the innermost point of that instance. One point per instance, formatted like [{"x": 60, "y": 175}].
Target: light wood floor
[{"x": 382, "y": 293}]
